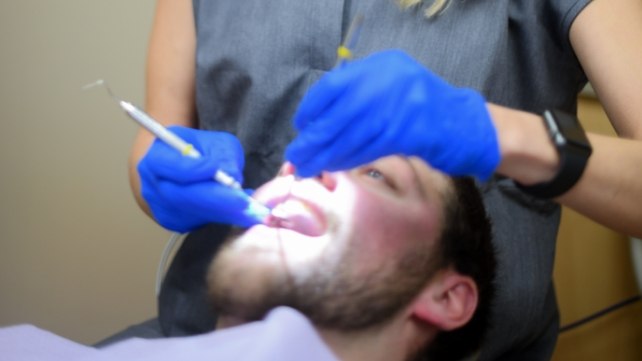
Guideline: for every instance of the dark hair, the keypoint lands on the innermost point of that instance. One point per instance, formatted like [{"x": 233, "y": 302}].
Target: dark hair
[{"x": 466, "y": 245}]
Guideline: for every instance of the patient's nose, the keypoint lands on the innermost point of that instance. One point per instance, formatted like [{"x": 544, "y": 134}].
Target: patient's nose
[
  {"x": 328, "y": 180},
  {"x": 286, "y": 169}
]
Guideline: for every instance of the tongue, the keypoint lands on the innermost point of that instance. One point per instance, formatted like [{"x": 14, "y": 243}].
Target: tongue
[{"x": 299, "y": 217}]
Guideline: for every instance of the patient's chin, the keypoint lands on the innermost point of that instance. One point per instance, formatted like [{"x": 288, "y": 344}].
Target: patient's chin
[
  {"x": 242, "y": 288},
  {"x": 241, "y": 303}
]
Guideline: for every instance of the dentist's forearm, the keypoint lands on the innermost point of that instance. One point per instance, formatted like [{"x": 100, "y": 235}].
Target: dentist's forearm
[
  {"x": 170, "y": 77},
  {"x": 610, "y": 189}
]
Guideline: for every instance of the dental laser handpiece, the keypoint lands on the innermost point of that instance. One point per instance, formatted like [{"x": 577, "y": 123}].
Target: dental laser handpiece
[{"x": 255, "y": 209}]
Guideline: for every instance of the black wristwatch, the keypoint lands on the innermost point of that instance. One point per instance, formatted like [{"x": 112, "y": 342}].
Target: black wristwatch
[{"x": 574, "y": 150}]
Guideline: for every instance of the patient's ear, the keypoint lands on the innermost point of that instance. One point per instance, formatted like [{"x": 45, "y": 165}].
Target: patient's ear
[{"x": 448, "y": 301}]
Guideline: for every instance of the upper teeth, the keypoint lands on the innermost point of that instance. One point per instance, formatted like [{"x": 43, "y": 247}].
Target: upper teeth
[
  {"x": 289, "y": 208},
  {"x": 279, "y": 212}
]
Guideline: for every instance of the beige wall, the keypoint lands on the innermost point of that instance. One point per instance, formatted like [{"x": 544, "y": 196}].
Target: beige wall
[{"x": 76, "y": 255}]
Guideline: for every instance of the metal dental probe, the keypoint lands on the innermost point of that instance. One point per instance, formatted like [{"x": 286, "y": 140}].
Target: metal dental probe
[{"x": 255, "y": 209}]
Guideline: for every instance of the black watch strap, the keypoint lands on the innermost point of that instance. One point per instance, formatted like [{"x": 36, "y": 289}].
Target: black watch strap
[{"x": 574, "y": 150}]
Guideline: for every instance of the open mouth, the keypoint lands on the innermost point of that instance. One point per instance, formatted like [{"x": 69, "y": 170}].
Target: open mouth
[{"x": 299, "y": 216}]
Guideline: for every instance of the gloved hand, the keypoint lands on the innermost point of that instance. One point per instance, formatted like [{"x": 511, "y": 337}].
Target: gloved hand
[
  {"x": 181, "y": 191},
  {"x": 389, "y": 104}
]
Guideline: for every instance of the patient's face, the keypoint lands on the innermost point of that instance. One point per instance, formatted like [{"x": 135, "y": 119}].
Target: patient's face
[{"x": 353, "y": 247}]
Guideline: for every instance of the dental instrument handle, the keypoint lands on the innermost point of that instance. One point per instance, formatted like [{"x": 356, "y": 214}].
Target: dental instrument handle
[
  {"x": 344, "y": 51},
  {"x": 226, "y": 179},
  {"x": 158, "y": 130},
  {"x": 254, "y": 209}
]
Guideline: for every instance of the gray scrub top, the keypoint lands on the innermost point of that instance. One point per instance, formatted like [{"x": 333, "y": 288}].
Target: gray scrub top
[{"x": 255, "y": 60}]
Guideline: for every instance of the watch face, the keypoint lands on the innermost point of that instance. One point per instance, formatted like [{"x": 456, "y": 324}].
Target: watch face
[
  {"x": 574, "y": 150},
  {"x": 569, "y": 129}
]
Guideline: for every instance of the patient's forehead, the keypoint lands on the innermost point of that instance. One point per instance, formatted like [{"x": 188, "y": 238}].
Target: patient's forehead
[{"x": 431, "y": 181}]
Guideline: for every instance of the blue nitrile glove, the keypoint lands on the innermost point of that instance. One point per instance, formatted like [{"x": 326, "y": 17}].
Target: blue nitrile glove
[
  {"x": 389, "y": 104},
  {"x": 181, "y": 191}
]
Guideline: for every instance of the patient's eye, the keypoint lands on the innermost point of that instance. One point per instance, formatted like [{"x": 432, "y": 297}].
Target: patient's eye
[
  {"x": 379, "y": 176},
  {"x": 376, "y": 174}
]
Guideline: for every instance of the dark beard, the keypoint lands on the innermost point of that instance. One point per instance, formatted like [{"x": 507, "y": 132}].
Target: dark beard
[{"x": 333, "y": 300}]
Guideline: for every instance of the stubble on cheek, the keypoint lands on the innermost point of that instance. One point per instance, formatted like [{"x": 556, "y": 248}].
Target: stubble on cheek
[{"x": 240, "y": 289}]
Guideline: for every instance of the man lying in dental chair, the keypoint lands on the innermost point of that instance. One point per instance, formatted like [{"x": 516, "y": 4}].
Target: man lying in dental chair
[{"x": 388, "y": 261}]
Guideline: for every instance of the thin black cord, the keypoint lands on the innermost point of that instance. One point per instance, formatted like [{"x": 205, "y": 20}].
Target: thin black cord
[{"x": 601, "y": 313}]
